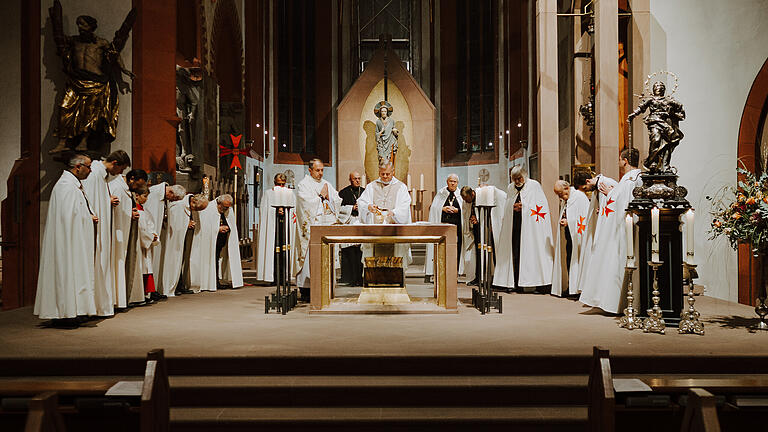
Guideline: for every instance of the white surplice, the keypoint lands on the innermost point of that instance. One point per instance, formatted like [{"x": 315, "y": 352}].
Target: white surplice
[
  {"x": 65, "y": 278},
  {"x": 536, "y": 245},
  {"x": 467, "y": 239},
  {"x": 265, "y": 265},
  {"x": 148, "y": 239},
  {"x": 121, "y": 227},
  {"x": 98, "y": 193},
  {"x": 601, "y": 285},
  {"x": 576, "y": 210},
  {"x": 202, "y": 257},
  {"x": 231, "y": 266},
  {"x": 393, "y": 197},
  {"x": 172, "y": 243},
  {"x": 156, "y": 208},
  {"x": 311, "y": 209}
]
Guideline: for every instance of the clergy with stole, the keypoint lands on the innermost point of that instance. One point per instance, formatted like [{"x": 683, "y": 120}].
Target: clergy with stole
[
  {"x": 122, "y": 215},
  {"x": 525, "y": 249},
  {"x": 317, "y": 203},
  {"x": 229, "y": 269},
  {"x": 159, "y": 200},
  {"x": 65, "y": 279},
  {"x": 386, "y": 200},
  {"x": 102, "y": 200},
  {"x": 176, "y": 240},
  {"x": 268, "y": 219},
  {"x": 601, "y": 281},
  {"x": 448, "y": 207},
  {"x": 202, "y": 261},
  {"x": 351, "y": 255},
  {"x": 572, "y": 224}
]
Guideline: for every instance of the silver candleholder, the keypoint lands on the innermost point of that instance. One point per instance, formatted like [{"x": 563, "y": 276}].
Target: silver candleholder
[
  {"x": 689, "y": 319},
  {"x": 630, "y": 320},
  {"x": 655, "y": 321}
]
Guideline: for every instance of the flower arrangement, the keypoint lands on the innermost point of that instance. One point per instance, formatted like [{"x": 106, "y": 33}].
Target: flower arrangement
[{"x": 743, "y": 218}]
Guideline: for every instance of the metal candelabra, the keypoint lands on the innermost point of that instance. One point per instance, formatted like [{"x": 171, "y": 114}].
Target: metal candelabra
[
  {"x": 284, "y": 298},
  {"x": 655, "y": 321},
  {"x": 689, "y": 319},
  {"x": 630, "y": 321},
  {"x": 483, "y": 297}
]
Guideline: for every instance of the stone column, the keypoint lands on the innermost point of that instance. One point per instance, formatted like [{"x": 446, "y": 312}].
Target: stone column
[
  {"x": 607, "y": 88},
  {"x": 547, "y": 99}
]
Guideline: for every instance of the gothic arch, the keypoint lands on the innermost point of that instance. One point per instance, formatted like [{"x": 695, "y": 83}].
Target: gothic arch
[{"x": 227, "y": 51}]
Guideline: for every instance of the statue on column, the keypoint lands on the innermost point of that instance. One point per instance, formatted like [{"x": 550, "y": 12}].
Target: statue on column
[
  {"x": 386, "y": 133},
  {"x": 188, "y": 96},
  {"x": 94, "y": 72},
  {"x": 663, "y": 118}
]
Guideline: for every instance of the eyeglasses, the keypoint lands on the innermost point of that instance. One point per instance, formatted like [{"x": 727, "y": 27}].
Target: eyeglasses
[{"x": 87, "y": 166}]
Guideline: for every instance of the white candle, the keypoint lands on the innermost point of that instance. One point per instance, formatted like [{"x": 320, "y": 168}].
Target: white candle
[
  {"x": 363, "y": 183},
  {"x": 421, "y": 182},
  {"x": 655, "y": 234},
  {"x": 630, "y": 227},
  {"x": 409, "y": 182},
  {"x": 689, "y": 240},
  {"x": 478, "y": 182}
]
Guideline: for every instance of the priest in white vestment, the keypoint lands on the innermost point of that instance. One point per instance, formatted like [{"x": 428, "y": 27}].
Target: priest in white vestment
[
  {"x": 601, "y": 285},
  {"x": 179, "y": 223},
  {"x": 160, "y": 197},
  {"x": 122, "y": 214},
  {"x": 265, "y": 259},
  {"x": 65, "y": 278},
  {"x": 102, "y": 200},
  {"x": 386, "y": 198},
  {"x": 572, "y": 224},
  {"x": 229, "y": 269},
  {"x": 449, "y": 207},
  {"x": 202, "y": 256},
  {"x": 525, "y": 248},
  {"x": 317, "y": 203}
]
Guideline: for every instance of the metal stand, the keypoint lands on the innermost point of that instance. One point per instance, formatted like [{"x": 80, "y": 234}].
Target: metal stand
[
  {"x": 655, "y": 321},
  {"x": 483, "y": 297},
  {"x": 630, "y": 321},
  {"x": 284, "y": 298},
  {"x": 417, "y": 204},
  {"x": 689, "y": 320}
]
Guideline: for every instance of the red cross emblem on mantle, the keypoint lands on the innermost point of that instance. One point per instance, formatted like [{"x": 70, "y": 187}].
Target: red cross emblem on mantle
[
  {"x": 582, "y": 226},
  {"x": 235, "y": 151},
  {"x": 607, "y": 211},
  {"x": 538, "y": 213}
]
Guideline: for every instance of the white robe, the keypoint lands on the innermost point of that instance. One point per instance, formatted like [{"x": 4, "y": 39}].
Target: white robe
[
  {"x": 156, "y": 208},
  {"x": 601, "y": 286},
  {"x": 65, "y": 278},
  {"x": 98, "y": 193},
  {"x": 172, "y": 242},
  {"x": 536, "y": 248},
  {"x": 146, "y": 242},
  {"x": 398, "y": 201},
  {"x": 577, "y": 210},
  {"x": 231, "y": 265},
  {"x": 202, "y": 257},
  {"x": 265, "y": 265},
  {"x": 311, "y": 210},
  {"x": 121, "y": 224},
  {"x": 497, "y": 218},
  {"x": 467, "y": 239}
]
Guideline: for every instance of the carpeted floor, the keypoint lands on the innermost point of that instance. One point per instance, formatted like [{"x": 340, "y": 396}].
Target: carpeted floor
[{"x": 233, "y": 323}]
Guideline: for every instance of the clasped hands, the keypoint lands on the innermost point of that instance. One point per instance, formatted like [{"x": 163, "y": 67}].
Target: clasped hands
[
  {"x": 450, "y": 209},
  {"x": 324, "y": 192}
]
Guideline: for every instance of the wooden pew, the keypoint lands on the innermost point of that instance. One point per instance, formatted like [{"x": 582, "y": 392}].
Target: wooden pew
[
  {"x": 602, "y": 402},
  {"x": 155, "y": 393},
  {"x": 44, "y": 414},
  {"x": 700, "y": 413}
]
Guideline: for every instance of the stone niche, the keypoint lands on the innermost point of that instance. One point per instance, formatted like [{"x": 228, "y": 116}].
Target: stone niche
[{"x": 414, "y": 114}]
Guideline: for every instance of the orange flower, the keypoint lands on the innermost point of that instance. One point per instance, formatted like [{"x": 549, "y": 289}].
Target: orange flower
[
  {"x": 736, "y": 216},
  {"x": 742, "y": 198},
  {"x": 717, "y": 223},
  {"x": 765, "y": 200},
  {"x": 751, "y": 201}
]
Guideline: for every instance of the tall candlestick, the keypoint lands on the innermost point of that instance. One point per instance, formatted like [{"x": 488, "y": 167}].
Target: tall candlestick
[
  {"x": 689, "y": 240},
  {"x": 478, "y": 182},
  {"x": 421, "y": 182},
  {"x": 655, "y": 234},
  {"x": 409, "y": 182},
  {"x": 630, "y": 227}
]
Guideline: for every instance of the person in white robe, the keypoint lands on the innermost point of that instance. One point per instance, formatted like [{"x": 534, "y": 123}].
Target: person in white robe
[
  {"x": 525, "y": 248},
  {"x": 65, "y": 280},
  {"x": 472, "y": 229},
  {"x": 601, "y": 285},
  {"x": 147, "y": 239},
  {"x": 202, "y": 256},
  {"x": 317, "y": 203},
  {"x": 229, "y": 269},
  {"x": 572, "y": 224},
  {"x": 102, "y": 200},
  {"x": 265, "y": 260},
  {"x": 160, "y": 197},
  {"x": 386, "y": 200},
  {"x": 449, "y": 207},
  {"x": 178, "y": 225},
  {"x": 122, "y": 215}
]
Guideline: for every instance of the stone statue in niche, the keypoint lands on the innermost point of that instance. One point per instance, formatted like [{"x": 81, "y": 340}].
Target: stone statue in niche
[
  {"x": 188, "y": 97},
  {"x": 664, "y": 116},
  {"x": 386, "y": 133},
  {"x": 88, "y": 111}
]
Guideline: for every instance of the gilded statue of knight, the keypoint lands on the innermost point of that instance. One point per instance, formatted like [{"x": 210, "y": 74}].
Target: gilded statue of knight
[{"x": 94, "y": 71}]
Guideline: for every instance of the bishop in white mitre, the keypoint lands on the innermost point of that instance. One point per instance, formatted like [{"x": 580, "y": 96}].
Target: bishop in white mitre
[
  {"x": 122, "y": 215},
  {"x": 601, "y": 284},
  {"x": 317, "y": 203},
  {"x": 525, "y": 250},
  {"x": 265, "y": 260},
  {"x": 387, "y": 197},
  {"x": 448, "y": 207},
  {"x": 572, "y": 224},
  {"x": 102, "y": 200},
  {"x": 158, "y": 202},
  {"x": 65, "y": 278}
]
